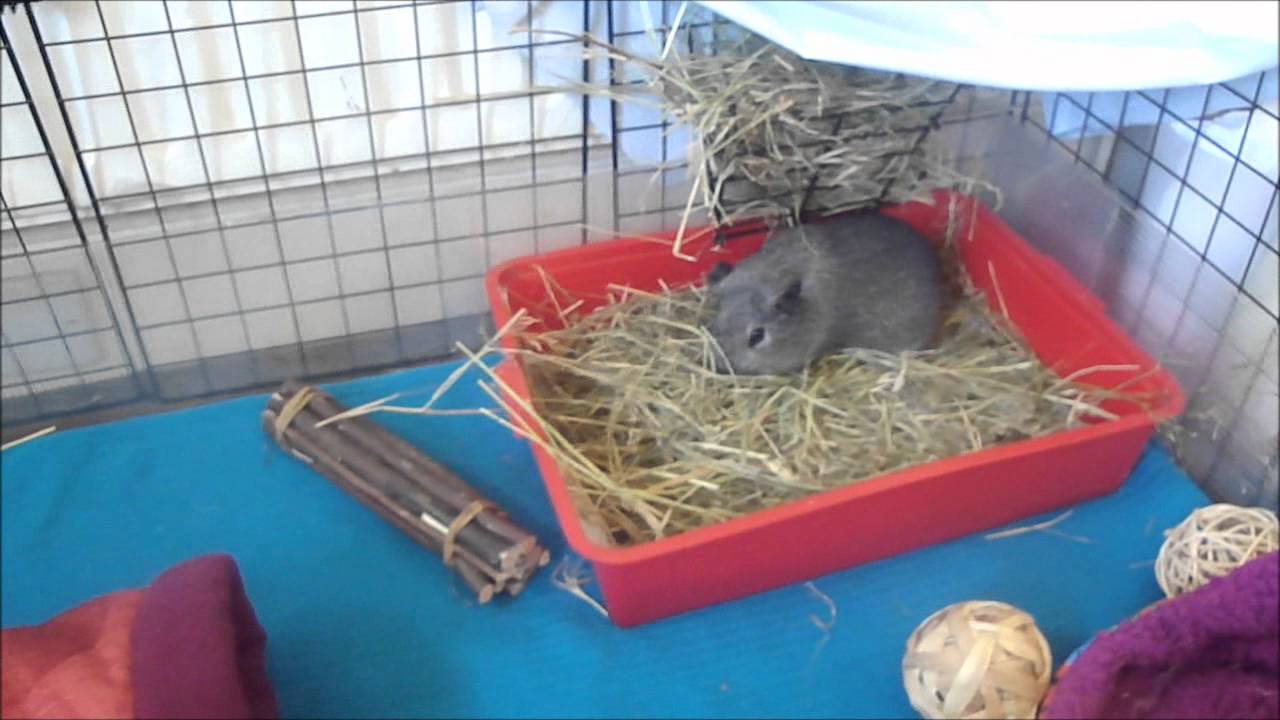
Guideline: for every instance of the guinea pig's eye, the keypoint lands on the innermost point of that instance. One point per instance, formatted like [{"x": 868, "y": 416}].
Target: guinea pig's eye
[{"x": 756, "y": 337}]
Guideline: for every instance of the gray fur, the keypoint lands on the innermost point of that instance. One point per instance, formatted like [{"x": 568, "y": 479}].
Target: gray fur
[{"x": 865, "y": 281}]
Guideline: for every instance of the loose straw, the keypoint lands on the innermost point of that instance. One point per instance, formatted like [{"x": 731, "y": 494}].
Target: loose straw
[
  {"x": 572, "y": 582},
  {"x": 28, "y": 438},
  {"x": 1046, "y": 526}
]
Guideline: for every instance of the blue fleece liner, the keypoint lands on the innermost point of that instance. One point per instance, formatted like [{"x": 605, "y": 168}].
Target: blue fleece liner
[{"x": 364, "y": 623}]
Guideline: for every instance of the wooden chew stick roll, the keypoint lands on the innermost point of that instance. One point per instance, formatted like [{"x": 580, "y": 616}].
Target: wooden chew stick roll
[
  {"x": 418, "y": 470},
  {"x": 470, "y": 569},
  {"x": 448, "y": 486},
  {"x": 421, "y": 485},
  {"x": 396, "y": 478},
  {"x": 390, "y": 483}
]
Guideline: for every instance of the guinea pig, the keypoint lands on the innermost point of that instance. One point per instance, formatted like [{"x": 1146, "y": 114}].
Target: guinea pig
[{"x": 857, "y": 281}]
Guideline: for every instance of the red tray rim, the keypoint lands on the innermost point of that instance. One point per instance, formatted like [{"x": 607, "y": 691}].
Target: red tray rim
[{"x": 571, "y": 524}]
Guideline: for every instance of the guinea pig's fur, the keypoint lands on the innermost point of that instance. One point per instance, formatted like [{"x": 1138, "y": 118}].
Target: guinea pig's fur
[{"x": 857, "y": 281}]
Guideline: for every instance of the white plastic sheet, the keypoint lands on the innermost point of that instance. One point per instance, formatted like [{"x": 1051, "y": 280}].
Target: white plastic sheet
[{"x": 1060, "y": 46}]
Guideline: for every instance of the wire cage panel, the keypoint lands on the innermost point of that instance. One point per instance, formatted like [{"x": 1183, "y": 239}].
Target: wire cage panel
[
  {"x": 273, "y": 189},
  {"x": 313, "y": 188},
  {"x": 1201, "y": 165},
  {"x": 63, "y": 348},
  {"x": 1151, "y": 218}
]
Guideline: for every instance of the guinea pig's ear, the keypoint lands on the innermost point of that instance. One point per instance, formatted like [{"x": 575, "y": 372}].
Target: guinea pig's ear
[
  {"x": 789, "y": 301},
  {"x": 719, "y": 272}
]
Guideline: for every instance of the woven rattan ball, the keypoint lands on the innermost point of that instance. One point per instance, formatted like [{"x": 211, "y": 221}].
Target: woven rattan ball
[
  {"x": 978, "y": 659},
  {"x": 1211, "y": 542}
]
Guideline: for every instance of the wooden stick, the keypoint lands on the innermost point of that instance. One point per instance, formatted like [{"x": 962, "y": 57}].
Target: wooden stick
[
  {"x": 489, "y": 552},
  {"x": 406, "y": 457},
  {"x": 389, "y": 482},
  {"x": 419, "y": 469},
  {"x": 477, "y": 582},
  {"x": 419, "y": 476},
  {"x": 375, "y": 436},
  {"x": 349, "y": 481},
  {"x": 402, "y": 520}
]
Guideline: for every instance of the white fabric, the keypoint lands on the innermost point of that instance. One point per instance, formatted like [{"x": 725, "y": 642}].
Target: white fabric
[{"x": 1028, "y": 45}]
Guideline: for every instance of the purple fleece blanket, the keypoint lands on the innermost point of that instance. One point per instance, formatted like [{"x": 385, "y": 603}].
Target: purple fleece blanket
[{"x": 1212, "y": 653}]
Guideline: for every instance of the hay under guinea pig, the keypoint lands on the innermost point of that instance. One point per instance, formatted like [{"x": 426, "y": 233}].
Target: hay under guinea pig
[{"x": 653, "y": 442}]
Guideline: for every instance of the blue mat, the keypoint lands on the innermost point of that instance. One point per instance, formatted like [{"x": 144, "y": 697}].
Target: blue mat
[{"x": 363, "y": 623}]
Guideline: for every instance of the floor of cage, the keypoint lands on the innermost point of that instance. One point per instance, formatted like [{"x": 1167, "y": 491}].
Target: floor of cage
[{"x": 361, "y": 622}]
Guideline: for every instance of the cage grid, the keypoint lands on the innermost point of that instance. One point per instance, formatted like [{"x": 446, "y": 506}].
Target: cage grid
[
  {"x": 59, "y": 329},
  {"x": 224, "y": 262},
  {"x": 1201, "y": 293},
  {"x": 248, "y": 191},
  {"x": 899, "y": 142},
  {"x": 628, "y": 125}
]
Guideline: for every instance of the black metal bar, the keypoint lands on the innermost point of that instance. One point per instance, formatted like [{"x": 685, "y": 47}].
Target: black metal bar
[
  {"x": 377, "y": 180},
  {"x": 266, "y": 180},
  {"x": 22, "y": 373},
  {"x": 586, "y": 121},
  {"x": 484, "y": 188},
  {"x": 204, "y": 168},
  {"x": 66, "y": 195},
  {"x": 219, "y": 26},
  {"x": 320, "y": 167},
  {"x": 335, "y": 166},
  {"x": 146, "y": 174},
  {"x": 798, "y": 213},
  {"x": 533, "y": 124},
  {"x": 296, "y": 123},
  {"x": 613, "y": 113},
  {"x": 431, "y": 188}
]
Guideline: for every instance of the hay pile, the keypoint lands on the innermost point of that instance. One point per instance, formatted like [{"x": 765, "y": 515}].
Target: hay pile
[
  {"x": 653, "y": 442},
  {"x": 776, "y": 135},
  {"x": 776, "y": 132}
]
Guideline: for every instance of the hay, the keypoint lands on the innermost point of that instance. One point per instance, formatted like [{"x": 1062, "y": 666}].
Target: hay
[
  {"x": 1045, "y": 527},
  {"x": 28, "y": 438},
  {"x": 571, "y": 576},
  {"x": 653, "y": 442},
  {"x": 776, "y": 135}
]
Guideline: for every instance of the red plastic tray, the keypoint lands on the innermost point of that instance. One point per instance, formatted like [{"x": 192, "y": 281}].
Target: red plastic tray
[{"x": 894, "y": 513}]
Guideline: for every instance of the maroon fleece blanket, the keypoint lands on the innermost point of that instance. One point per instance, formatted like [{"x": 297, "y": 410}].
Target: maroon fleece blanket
[
  {"x": 188, "y": 646},
  {"x": 1212, "y": 653}
]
